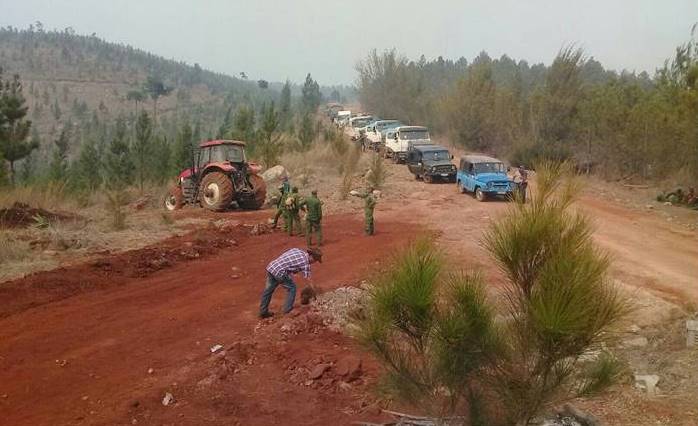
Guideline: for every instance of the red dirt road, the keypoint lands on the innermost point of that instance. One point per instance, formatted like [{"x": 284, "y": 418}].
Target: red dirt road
[{"x": 82, "y": 356}]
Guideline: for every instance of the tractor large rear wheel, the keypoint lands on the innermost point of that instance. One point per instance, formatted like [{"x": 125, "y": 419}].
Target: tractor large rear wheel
[
  {"x": 216, "y": 191},
  {"x": 260, "y": 194}
]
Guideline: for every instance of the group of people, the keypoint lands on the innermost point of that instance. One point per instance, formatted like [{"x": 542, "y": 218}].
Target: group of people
[{"x": 289, "y": 205}]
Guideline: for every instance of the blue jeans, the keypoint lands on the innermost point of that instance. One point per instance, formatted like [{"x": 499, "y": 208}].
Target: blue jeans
[{"x": 272, "y": 283}]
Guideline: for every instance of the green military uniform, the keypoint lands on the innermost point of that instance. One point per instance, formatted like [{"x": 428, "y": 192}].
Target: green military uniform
[
  {"x": 313, "y": 218},
  {"x": 369, "y": 205},
  {"x": 292, "y": 211},
  {"x": 284, "y": 190}
]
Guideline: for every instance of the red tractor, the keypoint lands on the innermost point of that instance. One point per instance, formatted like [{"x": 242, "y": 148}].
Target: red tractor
[{"x": 219, "y": 176}]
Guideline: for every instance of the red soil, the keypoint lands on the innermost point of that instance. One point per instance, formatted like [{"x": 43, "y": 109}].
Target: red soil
[{"x": 76, "y": 344}]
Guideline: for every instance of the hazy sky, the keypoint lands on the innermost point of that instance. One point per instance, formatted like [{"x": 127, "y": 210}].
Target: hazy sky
[{"x": 283, "y": 39}]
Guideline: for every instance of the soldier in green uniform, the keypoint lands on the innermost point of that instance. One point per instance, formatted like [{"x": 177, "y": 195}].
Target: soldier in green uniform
[
  {"x": 292, "y": 211},
  {"x": 369, "y": 206},
  {"x": 313, "y": 218},
  {"x": 279, "y": 203}
]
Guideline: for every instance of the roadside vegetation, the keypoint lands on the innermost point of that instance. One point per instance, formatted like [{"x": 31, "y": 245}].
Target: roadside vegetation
[
  {"x": 619, "y": 125},
  {"x": 452, "y": 351}
]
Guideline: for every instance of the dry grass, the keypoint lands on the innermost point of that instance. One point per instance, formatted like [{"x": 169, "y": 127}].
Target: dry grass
[{"x": 12, "y": 249}]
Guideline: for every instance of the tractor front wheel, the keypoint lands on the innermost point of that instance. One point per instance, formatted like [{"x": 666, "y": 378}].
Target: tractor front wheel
[
  {"x": 216, "y": 191},
  {"x": 260, "y": 194},
  {"x": 174, "y": 199}
]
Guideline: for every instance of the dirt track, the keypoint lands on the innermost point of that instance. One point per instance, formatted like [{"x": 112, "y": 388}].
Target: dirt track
[
  {"x": 76, "y": 344},
  {"x": 84, "y": 359}
]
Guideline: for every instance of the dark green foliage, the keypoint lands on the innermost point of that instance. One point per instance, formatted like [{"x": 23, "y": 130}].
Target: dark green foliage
[
  {"x": 311, "y": 95},
  {"x": 560, "y": 300},
  {"x": 118, "y": 163},
  {"x": 58, "y": 169},
  {"x": 182, "y": 152},
  {"x": 268, "y": 142},
  {"x": 156, "y": 88},
  {"x": 160, "y": 159},
  {"x": 87, "y": 168},
  {"x": 433, "y": 352},
  {"x": 306, "y": 132},
  {"x": 142, "y": 148},
  {"x": 14, "y": 128},
  {"x": 244, "y": 124},
  {"x": 285, "y": 112}
]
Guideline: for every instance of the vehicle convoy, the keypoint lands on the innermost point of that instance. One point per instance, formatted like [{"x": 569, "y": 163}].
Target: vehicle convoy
[
  {"x": 484, "y": 177},
  {"x": 356, "y": 123},
  {"x": 219, "y": 176},
  {"x": 332, "y": 109},
  {"x": 373, "y": 137},
  {"x": 399, "y": 139},
  {"x": 431, "y": 162}
]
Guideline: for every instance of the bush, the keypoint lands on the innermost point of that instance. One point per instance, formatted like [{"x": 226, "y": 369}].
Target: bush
[
  {"x": 561, "y": 301},
  {"x": 432, "y": 351}
]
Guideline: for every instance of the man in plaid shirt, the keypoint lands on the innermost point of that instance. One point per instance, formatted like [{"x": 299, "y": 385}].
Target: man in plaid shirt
[{"x": 279, "y": 271}]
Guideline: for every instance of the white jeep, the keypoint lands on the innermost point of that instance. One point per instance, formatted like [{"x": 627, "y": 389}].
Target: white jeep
[
  {"x": 355, "y": 123},
  {"x": 373, "y": 136},
  {"x": 399, "y": 140}
]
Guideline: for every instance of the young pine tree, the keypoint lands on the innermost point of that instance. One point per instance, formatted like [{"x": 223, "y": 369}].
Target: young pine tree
[
  {"x": 142, "y": 148},
  {"x": 118, "y": 164}
]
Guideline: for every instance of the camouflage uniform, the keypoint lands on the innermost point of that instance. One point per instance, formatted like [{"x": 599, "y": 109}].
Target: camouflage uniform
[
  {"x": 284, "y": 190},
  {"x": 369, "y": 205},
  {"x": 313, "y": 218},
  {"x": 292, "y": 211}
]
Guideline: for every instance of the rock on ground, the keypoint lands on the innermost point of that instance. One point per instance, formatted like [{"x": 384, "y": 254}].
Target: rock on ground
[{"x": 274, "y": 174}]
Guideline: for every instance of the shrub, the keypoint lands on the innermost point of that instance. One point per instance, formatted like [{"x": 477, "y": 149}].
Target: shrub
[
  {"x": 434, "y": 332},
  {"x": 561, "y": 301}
]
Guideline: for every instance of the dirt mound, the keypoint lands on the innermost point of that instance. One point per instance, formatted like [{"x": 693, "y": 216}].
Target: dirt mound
[
  {"x": 113, "y": 270},
  {"x": 21, "y": 215}
]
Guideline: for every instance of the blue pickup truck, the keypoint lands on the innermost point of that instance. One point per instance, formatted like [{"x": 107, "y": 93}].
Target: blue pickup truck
[{"x": 483, "y": 177}]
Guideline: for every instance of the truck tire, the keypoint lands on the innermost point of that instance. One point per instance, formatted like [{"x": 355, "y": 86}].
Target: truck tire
[
  {"x": 428, "y": 179},
  {"x": 174, "y": 199},
  {"x": 260, "y": 194},
  {"x": 217, "y": 191},
  {"x": 479, "y": 195}
]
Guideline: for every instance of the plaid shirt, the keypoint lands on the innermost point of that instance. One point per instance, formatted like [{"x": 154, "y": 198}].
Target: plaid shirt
[{"x": 290, "y": 262}]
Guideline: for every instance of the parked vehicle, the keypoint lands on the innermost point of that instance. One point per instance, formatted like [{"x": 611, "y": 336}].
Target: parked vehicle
[
  {"x": 356, "y": 123},
  {"x": 332, "y": 109},
  {"x": 342, "y": 117},
  {"x": 484, "y": 177},
  {"x": 219, "y": 176},
  {"x": 373, "y": 137},
  {"x": 431, "y": 162},
  {"x": 399, "y": 139}
]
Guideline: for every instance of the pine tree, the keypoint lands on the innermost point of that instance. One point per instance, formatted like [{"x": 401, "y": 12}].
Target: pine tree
[
  {"x": 160, "y": 158},
  {"x": 306, "y": 132},
  {"x": 181, "y": 154},
  {"x": 311, "y": 94},
  {"x": 119, "y": 167},
  {"x": 285, "y": 112},
  {"x": 58, "y": 170},
  {"x": 87, "y": 167},
  {"x": 14, "y": 128},
  {"x": 142, "y": 147}
]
